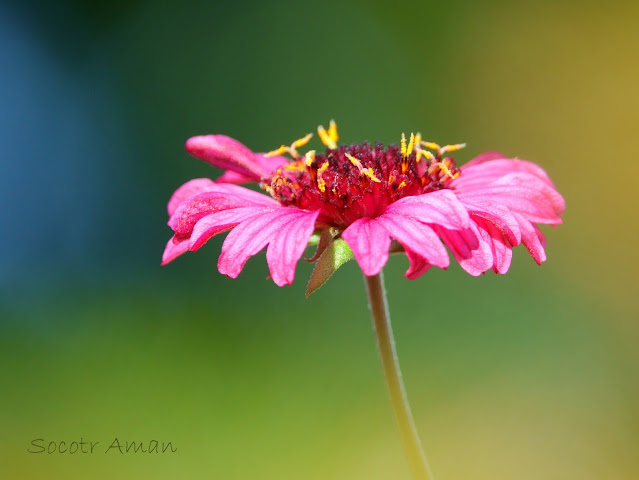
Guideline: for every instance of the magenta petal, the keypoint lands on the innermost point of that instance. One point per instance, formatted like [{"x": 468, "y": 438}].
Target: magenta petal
[
  {"x": 174, "y": 250},
  {"x": 270, "y": 164},
  {"x": 249, "y": 237},
  {"x": 289, "y": 244},
  {"x": 500, "y": 245},
  {"x": 441, "y": 207},
  {"x": 416, "y": 236},
  {"x": 523, "y": 193},
  {"x": 369, "y": 242},
  {"x": 233, "y": 177},
  {"x": 478, "y": 175},
  {"x": 531, "y": 239},
  {"x": 469, "y": 248},
  {"x": 228, "y": 154},
  {"x": 496, "y": 214},
  {"x": 220, "y": 197},
  {"x": 418, "y": 265},
  {"x": 188, "y": 190},
  {"x": 219, "y": 222}
]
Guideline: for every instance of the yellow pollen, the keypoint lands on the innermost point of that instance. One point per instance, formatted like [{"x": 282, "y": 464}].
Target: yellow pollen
[
  {"x": 451, "y": 148},
  {"x": 321, "y": 183},
  {"x": 403, "y": 143},
  {"x": 444, "y": 168},
  {"x": 294, "y": 167},
  {"x": 403, "y": 184},
  {"x": 309, "y": 158},
  {"x": 411, "y": 144},
  {"x": 362, "y": 171},
  {"x": 425, "y": 153},
  {"x": 330, "y": 137},
  {"x": 292, "y": 149},
  {"x": 431, "y": 145}
]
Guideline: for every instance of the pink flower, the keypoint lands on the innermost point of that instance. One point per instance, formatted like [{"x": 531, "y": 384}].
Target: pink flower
[{"x": 368, "y": 196}]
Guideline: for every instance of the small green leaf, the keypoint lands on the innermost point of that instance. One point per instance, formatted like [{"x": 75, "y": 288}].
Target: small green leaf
[{"x": 335, "y": 255}]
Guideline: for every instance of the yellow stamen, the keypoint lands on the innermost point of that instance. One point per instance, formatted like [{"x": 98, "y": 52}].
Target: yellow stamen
[
  {"x": 411, "y": 144},
  {"x": 425, "y": 153},
  {"x": 294, "y": 167},
  {"x": 362, "y": 171},
  {"x": 283, "y": 149},
  {"x": 451, "y": 148},
  {"x": 403, "y": 143},
  {"x": 309, "y": 158},
  {"x": 330, "y": 137},
  {"x": 321, "y": 183},
  {"x": 403, "y": 184},
  {"x": 332, "y": 131},
  {"x": 300, "y": 142},
  {"x": 447, "y": 172},
  {"x": 431, "y": 145},
  {"x": 292, "y": 149}
]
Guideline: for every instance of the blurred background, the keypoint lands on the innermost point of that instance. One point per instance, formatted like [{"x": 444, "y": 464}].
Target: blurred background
[{"x": 532, "y": 375}]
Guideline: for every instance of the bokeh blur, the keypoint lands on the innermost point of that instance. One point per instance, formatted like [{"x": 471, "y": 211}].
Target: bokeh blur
[{"x": 531, "y": 375}]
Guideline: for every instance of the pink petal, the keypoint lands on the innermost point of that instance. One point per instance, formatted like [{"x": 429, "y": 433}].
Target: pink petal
[
  {"x": 523, "y": 193},
  {"x": 496, "y": 214},
  {"x": 220, "y": 197},
  {"x": 219, "y": 222},
  {"x": 469, "y": 249},
  {"x": 416, "y": 236},
  {"x": 251, "y": 236},
  {"x": 418, "y": 265},
  {"x": 531, "y": 239},
  {"x": 500, "y": 246},
  {"x": 479, "y": 175},
  {"x": 268, "y": 163},
  {"x": 173, "y": 250},
  {"x": 441, "y": 207},
  {"x": 188, "y": 190},
  {"x": 233, "y": 177},
  {"x": 370, "y": 242},
  {"x": 228, "y": 154},
  {"x": 289, "y": 244}
]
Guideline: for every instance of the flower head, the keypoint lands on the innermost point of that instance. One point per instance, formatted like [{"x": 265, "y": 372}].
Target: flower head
[{"x": 366, "y": 195}]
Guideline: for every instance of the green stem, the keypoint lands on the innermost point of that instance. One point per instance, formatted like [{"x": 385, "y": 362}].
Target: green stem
[{"x": 381, "y": 322}]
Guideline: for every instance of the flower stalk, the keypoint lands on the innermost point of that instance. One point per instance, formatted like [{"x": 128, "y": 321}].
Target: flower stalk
[{"x": 393, "y": 375}]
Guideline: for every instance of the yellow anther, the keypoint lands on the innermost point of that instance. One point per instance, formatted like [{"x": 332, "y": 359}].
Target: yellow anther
[
  {"x": 451, "y": 148},
  {"x": 401, "y": 185},
  {"x": 431, "y": 145},
  {"x": 425, "y": 153},
  {"x": 332, "y": 131},
  {"x": 321, "y": 183},
  {"x": 444, "y": 168},
  {"x": 330, "y": 137},
  {"x": 294, "y": 167},
  {"x": 403, "y": 143},
  {"x": 292, "y": 149},
  {"x": 411, "y": 144},
  {"x": 362, "y": 171},
  {"x": 369, "y": 173},
  {"x": 283, "y": 149},
  {"x": 309, "y": 158},
  {"x": 418, "y": 139},
  {"x": 300, "y": 142},
  {"x": 354, "y": 161}
]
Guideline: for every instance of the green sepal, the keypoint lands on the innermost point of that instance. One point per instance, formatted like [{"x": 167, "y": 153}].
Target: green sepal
[{"x": 333, "y": 257}]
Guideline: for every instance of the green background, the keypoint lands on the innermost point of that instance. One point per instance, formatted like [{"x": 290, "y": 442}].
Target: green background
[{"x": 531, "y": 375}]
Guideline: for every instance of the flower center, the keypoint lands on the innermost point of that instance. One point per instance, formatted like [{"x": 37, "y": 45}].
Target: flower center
[{"x": 350, "y": 182}]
